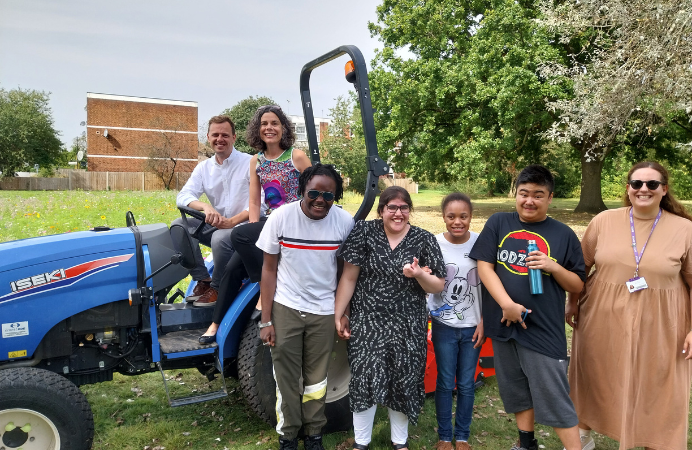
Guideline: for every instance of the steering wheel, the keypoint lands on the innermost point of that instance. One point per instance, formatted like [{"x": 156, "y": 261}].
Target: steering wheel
[{"x": 203, "y": 229}]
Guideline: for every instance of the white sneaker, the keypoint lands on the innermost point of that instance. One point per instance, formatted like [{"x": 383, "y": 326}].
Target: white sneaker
[{"x": 587, "y": 443}]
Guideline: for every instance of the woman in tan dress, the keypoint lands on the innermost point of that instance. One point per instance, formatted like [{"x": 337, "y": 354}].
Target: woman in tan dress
[{"x": 630, "y": 371}]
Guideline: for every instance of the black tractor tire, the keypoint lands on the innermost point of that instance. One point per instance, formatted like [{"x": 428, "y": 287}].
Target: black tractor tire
[
  {"x": 58, "y": 414},
  {"x": 259, "y": 388}
]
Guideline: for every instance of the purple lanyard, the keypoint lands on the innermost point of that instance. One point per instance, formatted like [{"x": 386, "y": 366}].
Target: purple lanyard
[{"x": 638, "y": 257}]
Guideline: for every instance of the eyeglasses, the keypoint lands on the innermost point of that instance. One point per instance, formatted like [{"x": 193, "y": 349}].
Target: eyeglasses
[
  {"x": 326, "y": 195},
  {"x": 652, "y": 185},
  {"x": 403, "y": 208}
]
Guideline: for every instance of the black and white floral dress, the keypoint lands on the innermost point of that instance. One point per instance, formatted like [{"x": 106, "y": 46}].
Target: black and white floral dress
[{"x": 387, "y": 349}]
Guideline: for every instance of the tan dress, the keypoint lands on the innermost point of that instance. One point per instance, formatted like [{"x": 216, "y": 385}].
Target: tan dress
[{"x": 628, "y": 376}]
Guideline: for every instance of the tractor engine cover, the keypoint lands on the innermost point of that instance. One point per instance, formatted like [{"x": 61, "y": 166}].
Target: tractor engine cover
[
  {"x": 46, "y": 280},
  {"x": 77, "y": 276}
]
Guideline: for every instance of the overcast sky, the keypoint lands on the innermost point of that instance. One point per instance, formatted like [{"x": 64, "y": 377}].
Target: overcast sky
[{"x": 215, "y": 53}]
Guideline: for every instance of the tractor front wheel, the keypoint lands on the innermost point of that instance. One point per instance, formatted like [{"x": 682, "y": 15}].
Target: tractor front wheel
[{"x": 41, "y": 410}]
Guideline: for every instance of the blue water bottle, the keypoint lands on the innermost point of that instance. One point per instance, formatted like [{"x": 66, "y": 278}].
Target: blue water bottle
[{"x": 534, "y": 274}]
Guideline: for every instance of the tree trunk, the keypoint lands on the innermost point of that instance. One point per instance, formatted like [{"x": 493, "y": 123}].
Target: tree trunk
[
  {"x": 513, "y": 173},
  {"x": 491, "y": 189},
  {"x": 590, "y": 199}
]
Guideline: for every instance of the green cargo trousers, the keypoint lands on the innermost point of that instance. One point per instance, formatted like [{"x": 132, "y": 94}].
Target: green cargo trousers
[{"x": 303, "y": 346}]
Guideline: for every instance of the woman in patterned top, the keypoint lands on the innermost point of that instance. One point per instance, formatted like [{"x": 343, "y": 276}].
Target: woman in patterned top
[
  {"x": 278, "y": 165},
  {"x": 381, "y": 309},
  {"x": 275, "y": 169}
]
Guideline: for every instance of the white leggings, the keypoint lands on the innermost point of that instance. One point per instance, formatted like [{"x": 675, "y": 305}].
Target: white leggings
[{"x": 363, "y": 422}]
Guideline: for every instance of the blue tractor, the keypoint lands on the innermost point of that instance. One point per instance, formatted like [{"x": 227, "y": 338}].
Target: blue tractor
[{"x": 76, "y": 308}]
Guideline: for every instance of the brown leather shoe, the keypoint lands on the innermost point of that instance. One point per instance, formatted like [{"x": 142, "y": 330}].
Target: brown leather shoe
[
  {"x": 461, "y": 445},
  {"x": 443, "y": 445},
  {"x": 200, "y": 288},
  {"x": 208, "y": 298}
]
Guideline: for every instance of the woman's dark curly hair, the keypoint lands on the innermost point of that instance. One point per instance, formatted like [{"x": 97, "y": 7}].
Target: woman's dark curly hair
[
  {"x": 322, "y": 169},
  {"x": 252, "y": 134}
]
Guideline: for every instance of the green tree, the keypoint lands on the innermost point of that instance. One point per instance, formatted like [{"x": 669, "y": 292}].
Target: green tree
[
  {"x": 241, "y": 113},
  {"x": 68, "y": 155},
  {"x": 344, "y": 145},
  {"x": 470, "y": 103},
  {"x": 165, "y": 150},
  {"x": 27, "y": 136},
  {"x": 667, "y": 140},
  {"x": 630, "y": 79}
]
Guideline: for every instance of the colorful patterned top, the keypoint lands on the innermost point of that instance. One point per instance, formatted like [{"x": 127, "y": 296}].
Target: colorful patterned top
[{"x": 279, "y": 179}]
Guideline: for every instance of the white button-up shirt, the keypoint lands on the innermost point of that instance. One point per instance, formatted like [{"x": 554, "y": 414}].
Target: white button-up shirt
[{"x": 226, "y": 185}]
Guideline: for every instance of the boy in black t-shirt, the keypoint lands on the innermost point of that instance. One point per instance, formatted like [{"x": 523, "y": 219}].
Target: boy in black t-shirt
[{"x": 528, "y": 331}]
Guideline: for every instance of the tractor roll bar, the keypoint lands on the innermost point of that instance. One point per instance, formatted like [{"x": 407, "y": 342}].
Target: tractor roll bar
[{"x": 376, "y": 167}]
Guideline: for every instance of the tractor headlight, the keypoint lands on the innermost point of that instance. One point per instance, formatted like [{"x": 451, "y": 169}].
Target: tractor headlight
[{"x": 135, "y": 297}]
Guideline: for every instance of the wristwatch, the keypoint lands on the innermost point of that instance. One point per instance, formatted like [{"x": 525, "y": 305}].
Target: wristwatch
[{"x": 264, "y": 324}]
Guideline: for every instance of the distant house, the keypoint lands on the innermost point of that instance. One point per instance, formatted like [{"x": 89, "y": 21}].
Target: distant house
[
  {"x": 124, "y": 132},
  {"x": 321, "y": 129}
]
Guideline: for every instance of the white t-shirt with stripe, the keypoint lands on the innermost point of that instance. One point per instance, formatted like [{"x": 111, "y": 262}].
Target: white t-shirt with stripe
[{"x": 306, "y": 276}]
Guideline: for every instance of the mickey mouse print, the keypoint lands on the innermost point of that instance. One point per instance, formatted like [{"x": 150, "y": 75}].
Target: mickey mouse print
[{"x": 459, "y": 304}]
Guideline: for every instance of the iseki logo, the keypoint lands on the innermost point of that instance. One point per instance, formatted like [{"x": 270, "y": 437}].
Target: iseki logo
[{"x": 37, "y": 280}]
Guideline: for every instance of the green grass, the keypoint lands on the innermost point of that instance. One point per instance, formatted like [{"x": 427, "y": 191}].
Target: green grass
[
  {"x": 29, "y": 213},
  {"x": 132, "y": 412}
]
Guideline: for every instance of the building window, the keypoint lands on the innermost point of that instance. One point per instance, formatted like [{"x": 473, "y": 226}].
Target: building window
[{"x": 301, "y": 134}]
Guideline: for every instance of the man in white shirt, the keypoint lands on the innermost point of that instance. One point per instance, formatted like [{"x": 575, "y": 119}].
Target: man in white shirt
[
  {"x": 300, "y": 241},
  {"x": 225, "y": 180}
]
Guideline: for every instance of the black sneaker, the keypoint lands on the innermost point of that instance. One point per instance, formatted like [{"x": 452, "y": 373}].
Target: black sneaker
[
  {"x": 288, "y": 444},
  {"x": 313, "y": 442},
  {"x": 517, "y": 446}
]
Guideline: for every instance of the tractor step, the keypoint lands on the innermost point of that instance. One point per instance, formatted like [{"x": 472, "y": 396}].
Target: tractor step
[
  {"x": 184, "y": 316},
  {"x": 180, "y": 344},
  {"x": 182, "y": 401},
  {"x": 199, "y": 398}
]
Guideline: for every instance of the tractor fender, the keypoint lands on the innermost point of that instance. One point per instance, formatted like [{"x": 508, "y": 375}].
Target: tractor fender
[{"x": 233, "y": 323}]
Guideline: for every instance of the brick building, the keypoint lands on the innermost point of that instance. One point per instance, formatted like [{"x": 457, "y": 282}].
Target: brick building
[
  {"x": 321, "y": 129},
  {"x": 128, "y": 134}
]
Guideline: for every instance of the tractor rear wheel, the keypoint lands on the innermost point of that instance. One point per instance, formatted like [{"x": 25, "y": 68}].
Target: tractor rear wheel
[
  {"x": 41, "y": 410},
  {"x": 257, "y": 381}
]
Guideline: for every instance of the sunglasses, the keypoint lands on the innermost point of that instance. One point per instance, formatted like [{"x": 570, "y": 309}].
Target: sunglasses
[
  {"x": 267, "y": 108},
  {"x": 326, "y": 195},
  {"x": 392, "y": 208},
  {"x": 652, "y": 185}
]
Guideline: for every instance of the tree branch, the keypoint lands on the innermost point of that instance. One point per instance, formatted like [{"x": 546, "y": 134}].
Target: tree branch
[{"x": 688, "y": 129}]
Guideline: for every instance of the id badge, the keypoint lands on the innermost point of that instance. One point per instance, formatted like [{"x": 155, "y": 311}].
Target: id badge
[{"x": 636, "y": 284}]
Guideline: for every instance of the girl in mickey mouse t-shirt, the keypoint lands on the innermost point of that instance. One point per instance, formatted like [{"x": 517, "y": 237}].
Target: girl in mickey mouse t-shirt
[{"x": 457, "y": 324}]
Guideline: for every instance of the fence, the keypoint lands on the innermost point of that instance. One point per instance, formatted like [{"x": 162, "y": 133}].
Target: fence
[
  {"x": 406, "y": 183},
  {"x": 95, "y": 181}
]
